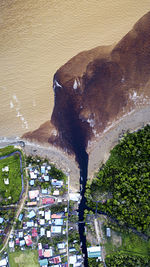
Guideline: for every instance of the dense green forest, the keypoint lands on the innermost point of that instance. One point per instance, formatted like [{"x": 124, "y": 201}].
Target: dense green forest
[
  {"x": 124, "y": 260},
  {"x": 123, "y": 184}
]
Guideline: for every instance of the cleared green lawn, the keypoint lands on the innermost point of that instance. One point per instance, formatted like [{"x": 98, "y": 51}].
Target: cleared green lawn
[
  {"x": 28, "y": 258},
  {"x": 13, "y": 189}
]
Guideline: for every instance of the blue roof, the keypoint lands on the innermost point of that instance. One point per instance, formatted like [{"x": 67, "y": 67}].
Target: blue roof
[
  {"x": 46, "y": 178},
  {"x": 44, "y": 191},
  {"x": 57, "y": 183},
  {"x": 43, "y": 262},
  {"x": 42, "y": 169},
  {"x": 22, "y": 242},
  {"x": 42, "y": 231},
  {"x": 57, "y": 221},
  {"x": 20, "y": 217},
  {"x": 1, "y": 220},
  {"x": 29, "y": 224},
  {"x": 31, "y": 214},
  {"x": 31, "y": 182}
]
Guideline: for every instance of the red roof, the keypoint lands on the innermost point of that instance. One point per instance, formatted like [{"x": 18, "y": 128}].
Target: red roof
[
  {"x": 28, "y": 240},
  {"x": 40, "y": 251},
  {"x": 34, "y": 232},
  {"x": 17, "y": 241},
  {"x": 56, "y": 260},
  {"x": 48, "y": 201},
  {"x": 56, "y": 216}
]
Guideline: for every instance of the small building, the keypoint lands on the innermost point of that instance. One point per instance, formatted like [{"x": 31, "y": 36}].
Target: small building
[
  {"x": 30, "y": 224},
  {"x": 56, "y": 216},
  {"x": 57, "y": 183},
  {"x": 3, "y": 262},
  {"x": 1, "y": 220},
  {"x": 28, "y": 240},
  {"x": 5, "y": 169},
  {"x": 47, "y": 215},
  {"x": 6, "y": 181},
  {"x": 11, "y": 244},
  {"x": 20, "y": 217},
  {"x": 43, "y": 170},
  {"x": 34, "y": 232},
  {"x": 41, "y": 212},
  {"x": 49, "y": 200},
  {"x": 20, "y": 234},
  {"x": 39, "y": 245},
  {"x": 32, "y": 203},
  {"x": 61, "y": 245},
  {"x": 33, "y": 194},
  {"x": 73, "y": 260},
  {"x": 40, "y": 252},
  {"x": 46, "y": 178},
  {"x": 43, "y": 262},
  {"x": 42, "y": 231},
  {"x": 94, "y": 252},
  {"x": 31, "y": 214},
  {"x": 44, "y": 191},
  {"x": 33, "y": 175},
  {"x": 108, "y": 233},
  {"x": 22, "y": 243},
  {"x": 48, "y": 253},
  {"x": 56, "y": 193},
  {"x": 55, "y": 260},
  {"x": 42, "y": 221},
  {"x": 17, "y": 241},
  {"x": 74, "y": 196},
  {"x": 48, "y": 233},
  {"x": 55, "y": 229},
  {"x": 57, "y": 221},
  {"x": 31, "y": 182}
]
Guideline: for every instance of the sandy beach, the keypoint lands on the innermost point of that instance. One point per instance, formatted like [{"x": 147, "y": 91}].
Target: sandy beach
[{"x": 99, "y": 149}]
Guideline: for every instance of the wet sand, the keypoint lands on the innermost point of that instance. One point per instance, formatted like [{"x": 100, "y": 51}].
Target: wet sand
[{"x": 99, "y": 150}]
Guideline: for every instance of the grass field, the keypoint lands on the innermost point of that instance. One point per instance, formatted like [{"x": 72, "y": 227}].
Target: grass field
[
  {"x": 28, "y": 258},
  {"x": 13, "y": 189},
  {"x": 131, "y": 243}
]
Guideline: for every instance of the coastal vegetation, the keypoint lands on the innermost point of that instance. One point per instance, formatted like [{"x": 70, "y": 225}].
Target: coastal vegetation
[
  {"x": 121, "y": 188},
  {"x": 124, "y": 260}
]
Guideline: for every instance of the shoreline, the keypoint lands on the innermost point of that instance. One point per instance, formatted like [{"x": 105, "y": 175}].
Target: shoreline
[{"x": 99, "y": 149}]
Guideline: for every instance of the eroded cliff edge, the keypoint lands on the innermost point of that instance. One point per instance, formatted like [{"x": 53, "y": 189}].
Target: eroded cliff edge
[{"x": 96, "y": 88}]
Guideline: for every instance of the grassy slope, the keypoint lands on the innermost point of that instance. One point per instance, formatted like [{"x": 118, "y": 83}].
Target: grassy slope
[
  {"x": 27, "y": 258},
  {"x": 14, "y": 187}
]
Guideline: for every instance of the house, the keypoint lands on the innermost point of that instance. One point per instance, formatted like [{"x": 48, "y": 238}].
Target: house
[
  {"x": 56, "y": 216},
  {"x": 48, "y": 201},
  {"x": 42, "y": 231},
  {"x": 48, "y": 253},
  {"x": 56, "y": 193},
  {"x": 31, "y": 182},
  {"x": 31, "y": 214},
  {"x": 30, "y": 224},
  {"x": 55, "y": 260},
  {"x": 73, "y": 260},
  {"x": 33, "y": 203},
  {"x": 47, "y": 215},
  {"x": 20, "y": 234},
  {"x": 28, "y": 240},
  {"x": 11, "y": 244},
  {"x": 42, "y": 221},
  {"x": 1, "y": 220},
  {"x": 39, "y": 246},
  {"x": 57, "y": 183},
  {"x": 33, "y": 175},
  {"x": 108, "y": 233},
  {"x": 94, "y": 252},
  {"x": 44, "y": 191},
  {"x": 33, "y": 194},
  {"x": 46, "y": 178},
  {"x": 22, "y": 243},
  {"x": 43, "y": 262},
  {"x": 40, "y": 252},
  {"x": 6, "y": 181},
  {"x": 57, "y": 221},
  {"x": 43, "y": 169},
  {"x": 5, "y": 169},
  {"x": 55, "y": 229},
  {"x": 61, "y": 245},
  {"x": 41, "y": 212},
  {"x": 17, "y": 241},
  {"x": 48, "y": 233},
  {"x": 3, "y": 262},
  {"x": 20, "y": 217},
  {"x": 34, "y": 232}
]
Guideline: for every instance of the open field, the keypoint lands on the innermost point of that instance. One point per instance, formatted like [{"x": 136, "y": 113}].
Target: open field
[
  {"x": 28, "y": 258},
  {"x": 13, "y": 189}
]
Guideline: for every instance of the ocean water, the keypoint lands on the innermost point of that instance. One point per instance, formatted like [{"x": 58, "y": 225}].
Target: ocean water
[{"x": 39, "y": 36}]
